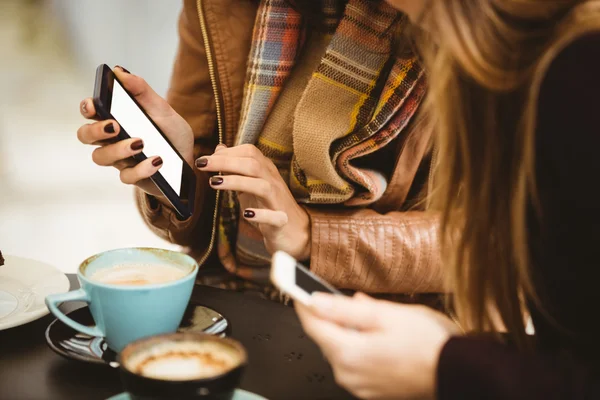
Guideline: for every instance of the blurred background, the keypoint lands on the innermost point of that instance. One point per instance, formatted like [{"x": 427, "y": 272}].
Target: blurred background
[{"x": 55, "y": 204}]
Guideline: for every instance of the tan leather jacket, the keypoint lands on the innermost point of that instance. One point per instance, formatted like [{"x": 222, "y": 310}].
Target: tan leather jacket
[{"x": 378, "y": 249}]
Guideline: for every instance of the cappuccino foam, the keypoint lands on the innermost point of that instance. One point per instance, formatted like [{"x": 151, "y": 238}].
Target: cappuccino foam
[
  {"x": 181, "y": 361},
  {"x": 137, "y": 274}
]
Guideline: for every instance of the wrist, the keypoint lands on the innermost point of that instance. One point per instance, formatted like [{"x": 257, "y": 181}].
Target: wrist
[
  {"x": 189, "y": 158},
  {"x": 431, "y": 366},
  {"x": 305, "y": 249}
]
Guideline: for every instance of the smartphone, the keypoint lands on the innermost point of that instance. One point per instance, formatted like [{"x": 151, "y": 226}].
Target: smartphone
[
  {"x": 295, "y": 280},
  {"x": 175, "y": 179}
]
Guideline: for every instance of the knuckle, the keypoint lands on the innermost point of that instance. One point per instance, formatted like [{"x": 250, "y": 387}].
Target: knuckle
[
  {"x": 252, "y": 150},
  {"x": 230, "y": 180},
  {"x": 266, "y": 188},
  {"x": 337, "y": 378},
  {"x": 245, "y": 149},
  {"x": 348, "y": 360},
  {"x": 308, "y": 329},
  {"x": 124, "y": 176},
  {"x": 362, "y": 393},
  {"x": 256, "y": 152},
  {"x": 81, "y": 133},
  {"x": 421, "y": 308},
  {"x": 272, "y": 168},
  {"x": 120, "y": 165},
  {"x": 96, "y": 158},
  {"x": 254, "y": 167},
  {"x": 141, "y": 81},
  {"x": 340, "y": 377},
  {"x": 145, "y": 169},
  {"x": 284, "y": 219}
]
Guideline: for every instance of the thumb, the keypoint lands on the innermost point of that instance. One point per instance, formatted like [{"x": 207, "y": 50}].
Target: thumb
[
  {"x": 142, "y": 92},
  {"x": 359, "y": 312}
]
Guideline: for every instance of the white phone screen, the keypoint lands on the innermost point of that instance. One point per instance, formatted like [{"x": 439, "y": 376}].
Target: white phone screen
[{"x": 137, "y": 125}]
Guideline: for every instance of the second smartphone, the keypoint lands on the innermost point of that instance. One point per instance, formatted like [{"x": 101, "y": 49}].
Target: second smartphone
[{"x": 295, "y": 280}]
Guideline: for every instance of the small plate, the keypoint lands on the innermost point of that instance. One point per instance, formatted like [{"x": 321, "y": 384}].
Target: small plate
[
  {"x": 238, "y": 395},
  {"x": 24, "y": 284},
  {"x": 71, "y": 344}
]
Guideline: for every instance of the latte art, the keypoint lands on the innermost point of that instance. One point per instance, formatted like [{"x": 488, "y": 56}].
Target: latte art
[
  {"x": 137, "y": 274},
  {"x": 180, "y": 361}
]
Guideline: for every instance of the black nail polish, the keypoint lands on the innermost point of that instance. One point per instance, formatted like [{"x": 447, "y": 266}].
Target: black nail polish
[
  {"x": 249, "y": 214},
  {"x": 216, "y": 180},
  {"x": 157, "y": 162},
  {"x": 201, "y": 162},
  {"x": 109, "y": 128},
  {"x": 137, "y": 145},
  {"x": 124, "y": 69}
]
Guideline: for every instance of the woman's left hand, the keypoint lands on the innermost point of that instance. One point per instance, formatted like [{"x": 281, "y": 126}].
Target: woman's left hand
[
  {"x": 378, "y": 349},
  {"x": 265, "y": 199}
]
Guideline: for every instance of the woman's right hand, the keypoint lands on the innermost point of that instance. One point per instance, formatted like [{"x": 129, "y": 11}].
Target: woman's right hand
[
  {"x": 119, "y": 154},
  {"x": 378, "y": 349}
]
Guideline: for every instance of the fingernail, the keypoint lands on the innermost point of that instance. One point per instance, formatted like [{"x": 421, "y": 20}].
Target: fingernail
[
  {"x": 157, "y": 162},
  {"x": 84, "y": 107},
  {"x": 124, "y": 69},
  {"x": 201, "y": 162},
  {"x": 138, "y": 145},
  {"x": 249, "y": 214},
  {"x": 216, "y": 180},
  {"x": 109, "y": 128}
]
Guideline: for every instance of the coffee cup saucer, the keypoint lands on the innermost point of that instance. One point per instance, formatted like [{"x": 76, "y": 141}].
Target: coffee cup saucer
[
  {"x": 74, "y": 345},
  {"x": 24, "y": 284},
  {"x": 239, "y": 394}
]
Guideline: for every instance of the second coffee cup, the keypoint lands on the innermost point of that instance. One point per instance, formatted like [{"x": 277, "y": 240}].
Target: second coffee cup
[
  {"x": 132, "y": 293},
  {"x": 182, "y": 366}
]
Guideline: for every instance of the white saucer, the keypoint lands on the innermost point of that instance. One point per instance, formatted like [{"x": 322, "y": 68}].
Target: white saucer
[
  {"x": 238, "y": 395},
  {"x": 24, "y": 284}
]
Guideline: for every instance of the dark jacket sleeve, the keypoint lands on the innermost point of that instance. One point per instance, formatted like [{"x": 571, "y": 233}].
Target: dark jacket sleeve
[
  {"x": 480, "y": 368},
  {"x": 565, "y": 262}
]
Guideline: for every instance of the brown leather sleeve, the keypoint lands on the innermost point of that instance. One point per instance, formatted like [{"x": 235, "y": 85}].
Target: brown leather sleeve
[
  {"x": 397, "y": 252},
  {"x": 190, "y": 90},
  {"x": 191, "y": 95}
]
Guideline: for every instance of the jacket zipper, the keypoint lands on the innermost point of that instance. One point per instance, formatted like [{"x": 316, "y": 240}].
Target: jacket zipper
[
  {"x": 430, "y": 184},
  {"x": 215, "y": 87}
]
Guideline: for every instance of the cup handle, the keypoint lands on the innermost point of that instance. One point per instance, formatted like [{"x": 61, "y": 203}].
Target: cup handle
[{"x": 53, "y": 300}]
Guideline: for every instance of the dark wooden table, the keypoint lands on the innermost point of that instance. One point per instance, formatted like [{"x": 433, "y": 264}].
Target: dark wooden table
[{"x": 284, "y": 363}]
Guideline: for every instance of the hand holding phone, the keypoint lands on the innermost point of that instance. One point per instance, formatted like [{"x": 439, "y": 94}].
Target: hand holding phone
[
  {"x": 295, "y": 280},
  {"x": 140, "y": 113}
]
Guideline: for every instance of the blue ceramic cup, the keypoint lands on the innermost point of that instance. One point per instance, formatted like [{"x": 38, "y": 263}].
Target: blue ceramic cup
[{"x": 125, "y": 313}]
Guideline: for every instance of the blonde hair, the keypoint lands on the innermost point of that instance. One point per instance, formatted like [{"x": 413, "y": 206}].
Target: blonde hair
[{"x": 486, "y": 60}]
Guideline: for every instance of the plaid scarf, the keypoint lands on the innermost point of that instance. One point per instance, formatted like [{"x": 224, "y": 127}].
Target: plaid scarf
[{"x": 358, "y": 100}]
